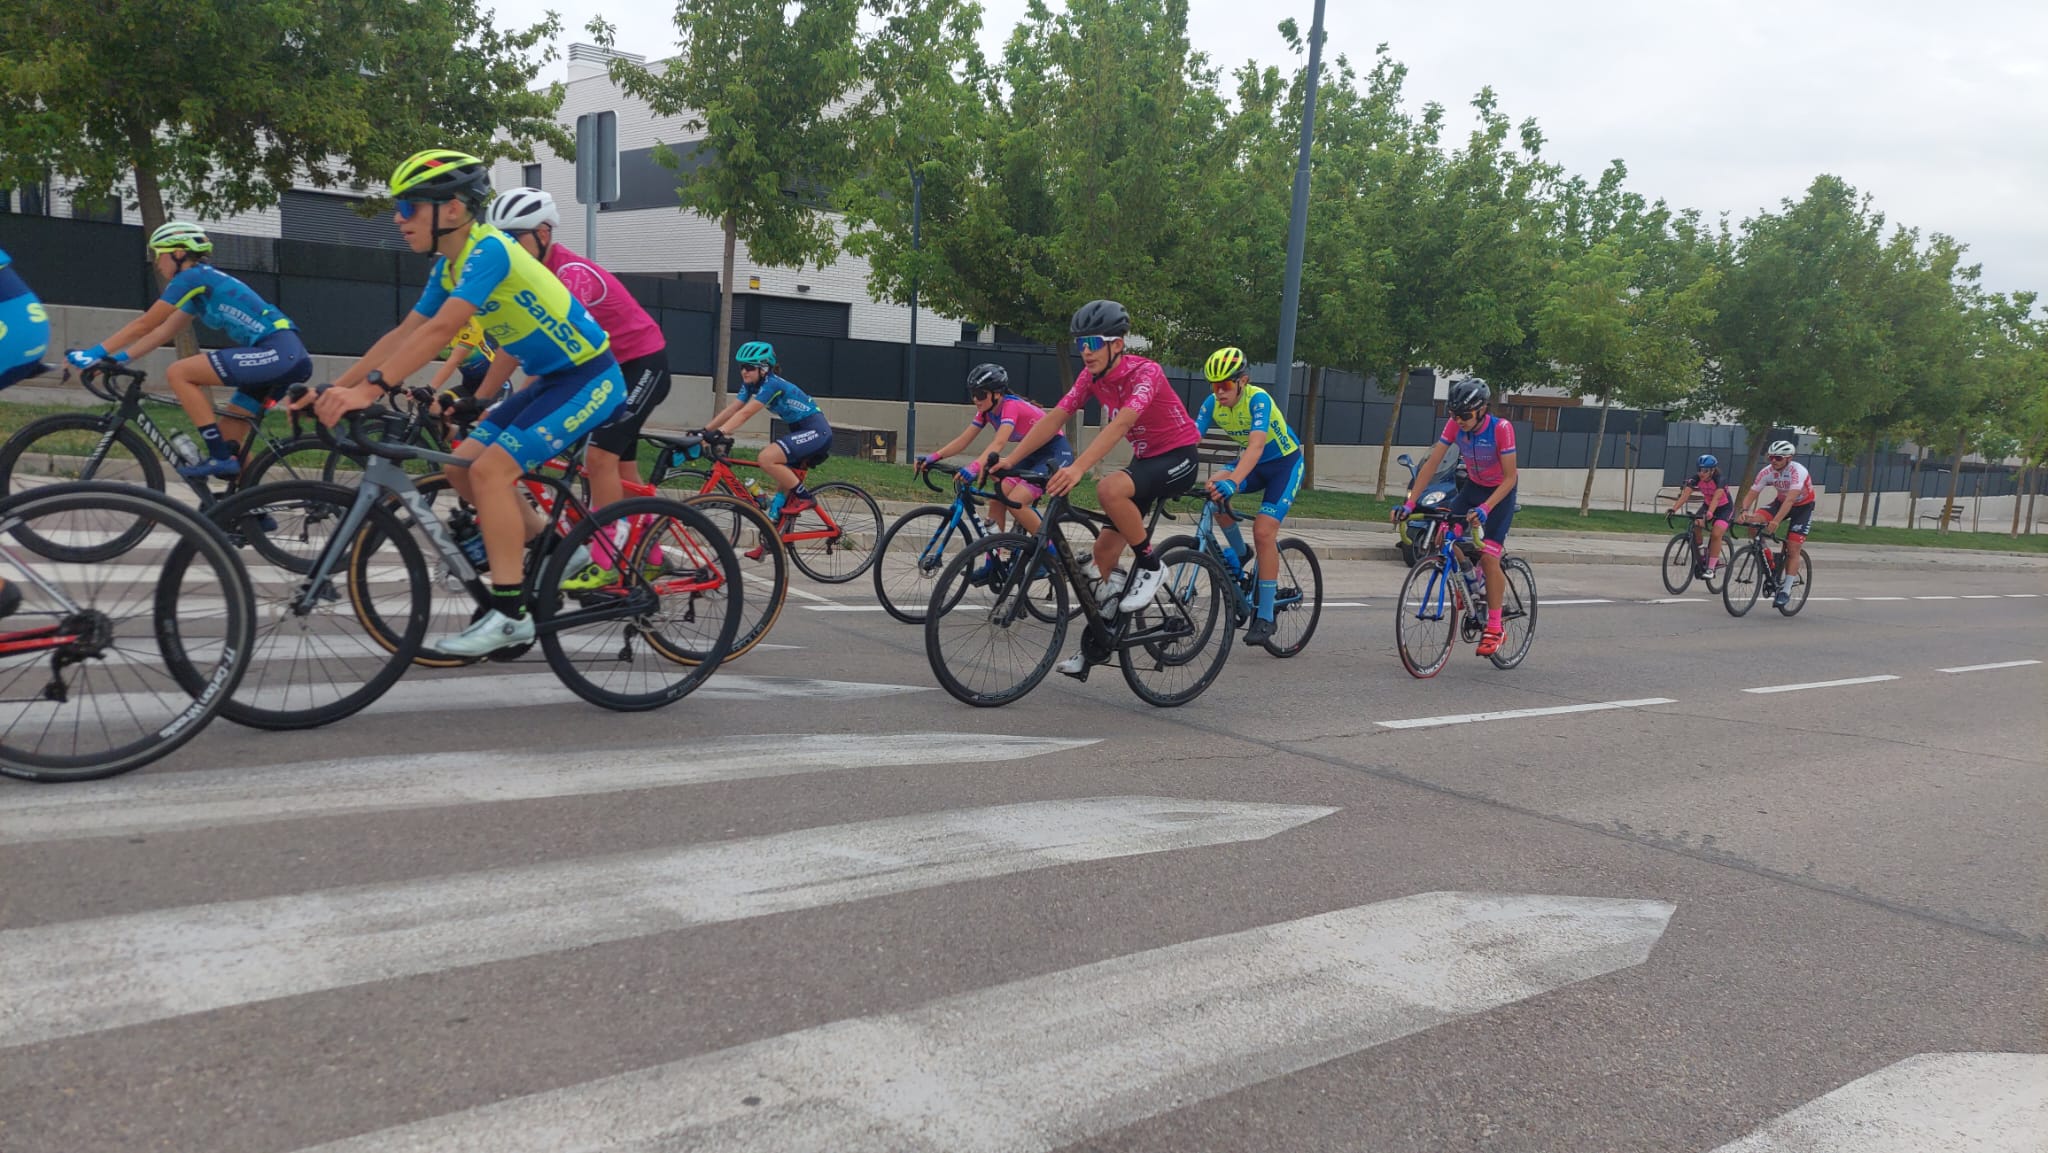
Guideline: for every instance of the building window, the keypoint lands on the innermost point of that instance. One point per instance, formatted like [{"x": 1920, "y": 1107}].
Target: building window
[
  {"x": 529, "y": 175},
  {"x": 970, "y": 333},
  {"x": 35, "y": 199},
  {"x": 106, "y": 210}
]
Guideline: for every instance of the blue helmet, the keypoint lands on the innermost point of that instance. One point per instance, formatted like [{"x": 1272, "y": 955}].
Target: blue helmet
[{"x": 1708, "y": 460}]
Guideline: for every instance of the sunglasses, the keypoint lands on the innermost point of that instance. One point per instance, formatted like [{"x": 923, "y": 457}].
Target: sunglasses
[
  {"x": 1779, "y": 459},
  {"x": 407, "y": 209},
  {"x": 1222, "y": 386},
  {"x": 1469, "y": 414},
  {"x": 1093, "y": 343}
]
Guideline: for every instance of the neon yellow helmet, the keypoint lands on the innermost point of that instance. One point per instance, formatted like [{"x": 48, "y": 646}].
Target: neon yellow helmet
[
  {"x": 1224, "y": 363},
  {"x": 174, "y": 235},
  {"x": 442, "y": 174}
]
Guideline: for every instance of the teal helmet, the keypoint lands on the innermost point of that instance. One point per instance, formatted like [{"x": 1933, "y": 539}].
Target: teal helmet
[{"x": 756, "y": 352}]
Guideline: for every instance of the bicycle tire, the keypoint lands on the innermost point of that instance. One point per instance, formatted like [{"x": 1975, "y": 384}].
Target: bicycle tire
[
  {"x": 1799, "y": 591},
  {"x": 904, "y": 578},
  {"x": 146, "y": 462},
  {"x": 742, "y": 521},
  {"x": 1428, "y": 598},
  {"x": 1207, "y": 616},
  {"x": 1717, "y": 577},
  {"x": 454, "y": 604},
  {"x": 858, "y": 518},
  {"x": 1079, "y": 535},
  {"x": 1682, "y": 558},
  {"x": 677, "y": 528},
  {"x": 317, "y": 461},
  {"x": 1307, "y": 580},
  {"x": 1517, "y": 613},
  {"x": 1745, "y": 581},
  {"x": 255, "y": 704},
  {"x": 995, "y": 617},
  {"x": 187, "y": 706}
]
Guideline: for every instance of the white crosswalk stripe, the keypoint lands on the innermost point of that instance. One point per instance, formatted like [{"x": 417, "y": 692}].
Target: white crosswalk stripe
[{"x": 1930, "y": 1103}]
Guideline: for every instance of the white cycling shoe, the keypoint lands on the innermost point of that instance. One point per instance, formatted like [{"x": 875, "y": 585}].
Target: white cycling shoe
[
  {"x": 487, "y": 634},
  {"x": 1073, "y": 666},
  {"x": 1145, "y": 583}
]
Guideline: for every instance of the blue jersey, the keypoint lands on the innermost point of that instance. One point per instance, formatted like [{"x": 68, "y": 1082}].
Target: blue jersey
[
  {"x": 24, "y": 327},
  {"x": 790, "y": 404},
  {"x": 1253, "y": 412},
  {"x": 225, "y": 303},
  {"x": 520, "y": 304}
]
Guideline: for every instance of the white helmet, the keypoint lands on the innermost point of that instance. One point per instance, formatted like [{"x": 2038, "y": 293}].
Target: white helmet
[
  {"x": 1782, "y": 448},
  {"x": 522, "y": 210}
]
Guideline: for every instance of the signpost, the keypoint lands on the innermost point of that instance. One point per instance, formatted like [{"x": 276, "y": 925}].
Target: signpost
[{"x": 597, "y": 169}]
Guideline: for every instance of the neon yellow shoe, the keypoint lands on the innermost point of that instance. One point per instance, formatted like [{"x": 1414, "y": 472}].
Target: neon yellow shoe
[{"x": 590, "y": 578}]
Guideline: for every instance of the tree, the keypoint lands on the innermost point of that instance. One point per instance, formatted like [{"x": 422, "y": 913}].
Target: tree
[{"x": 768, "y": 84}]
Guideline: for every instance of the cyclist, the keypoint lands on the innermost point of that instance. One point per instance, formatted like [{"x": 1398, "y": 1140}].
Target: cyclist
[
  {"x": 1140, "y": 406},
  {"x": 1792, "y": 508},
  {"x": 470, "y": 356},
  {"x": 24, "y": 338},
  {"x": 1012, "y": 417},
  {"x": 480, "y": 272},
  {"x": 810, "y": 434},
  {"x": 268, "y": 355},
  {"x": 1716, "y": 505},
  {"x": 1486, "y": 445},
  {"x": 612, "y": 458},
  {"x": 1271, "y": 464}
]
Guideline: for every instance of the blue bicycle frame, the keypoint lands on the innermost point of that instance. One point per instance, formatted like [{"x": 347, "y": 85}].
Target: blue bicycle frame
[
  {"x": 1438, "y": 594},
  {"x": 1243, "y": 588}
]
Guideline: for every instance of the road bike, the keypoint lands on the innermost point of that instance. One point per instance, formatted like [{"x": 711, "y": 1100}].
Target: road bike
[
  {"x": 992, "y": 636},
  {"x": 832, "y": 543},
  {"x": 1757, "y": 569},
  {"x": 1297, "y": 604},
  {"x": 105, "y": 667},
  {"x": 343, "y": 617},
  {"x": 916, "y": 546},
  {"x": 124, "y": 443},
  {"x": 1685, "y": 555},
  {"x": 1444, "y": 598}
]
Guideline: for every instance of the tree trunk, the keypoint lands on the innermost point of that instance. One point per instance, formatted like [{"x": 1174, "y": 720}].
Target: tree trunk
[
  {"x": 1756, "y": 448},
  {"x": 1067, "y": 377},
  {"x": 1593, "y": 465},
  {"x": 1913, "y": 487},
  {"x": 1955, "y": 480},
  {"x": 149, "y": 196},
  {"x": 1308, "y": 427},
  {"x": 721, "y": 367},
  {"x": 1842, "y": 497},
  {"x": 2019, "y": 493},
  {"x": 1869, "y": 481},
  {"x": 1393, "y": 422},
  {"x": 2033, "y": 498}
]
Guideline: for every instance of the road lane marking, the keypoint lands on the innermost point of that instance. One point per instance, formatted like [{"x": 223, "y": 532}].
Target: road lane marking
[
  {"x": 1935, "y": 598},
  {"x": 1823, "y": 684},
  {"x": 1927, "y": 1103},
  {"x": 810, "y": 596},
  {"x": 832, "y": 608},
  {"x": 1988, "y": 668},
  {"x": 1513, "y": 714},
  {"x": 69, "y": 979},
  {"x": 1346, "y": 605},
  {"x": 1880, "y": 598},
  {"x": 1588, "y": 601},
  {"x": 215, "y": 798},
  {"x": 1673, "y": 601},
  {"x": 2022, "y": 596},
  {"x": 1055, "y": 1060},
  {"x": 1975, "y": 596},
  {"x": 1827, "y": 598}
]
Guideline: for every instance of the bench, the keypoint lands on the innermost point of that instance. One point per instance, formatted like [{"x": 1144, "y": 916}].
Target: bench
[{"x": 1949, "y": 514}]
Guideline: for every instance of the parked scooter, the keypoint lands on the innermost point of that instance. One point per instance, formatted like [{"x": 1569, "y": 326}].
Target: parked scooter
[{"x": 1418, "y": 536}]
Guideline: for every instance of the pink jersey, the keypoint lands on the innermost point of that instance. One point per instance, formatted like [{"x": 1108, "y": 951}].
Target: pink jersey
[
  {"x": 1020, "y": 414},
  {"x": 634, "y": 333},
  {"x": 1791, "y": 481},
  {"x": 1135, "y": 382},
  {"x": 1483, "y": 450}
]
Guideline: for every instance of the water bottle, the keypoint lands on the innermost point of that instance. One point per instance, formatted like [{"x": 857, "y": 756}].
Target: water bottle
[
  {"x": 754, "y": 489},
  {"x": 1475, "y": 584},
  {"x": 183, "y": 448},
  {"x": 470, "y": 539}
]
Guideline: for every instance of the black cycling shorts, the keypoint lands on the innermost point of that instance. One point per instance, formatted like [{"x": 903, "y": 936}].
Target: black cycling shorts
[
  {"x": 1799, "y": 521},
  {"x": 1157, "y": 478},
  {"x": 646, "y": 387}
]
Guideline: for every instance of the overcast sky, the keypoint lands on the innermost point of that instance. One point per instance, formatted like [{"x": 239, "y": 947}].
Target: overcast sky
[{"x": 1940, "y": 109}]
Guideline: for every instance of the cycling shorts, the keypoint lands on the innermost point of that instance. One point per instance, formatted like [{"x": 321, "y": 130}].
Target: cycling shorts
[
  {"x": 1162, "y": 477},
  {"x": 1470, "y": 496},
  {"x": 646, "y": 387},
  {"x": 1799, "y": 522},
  {"x": 543, "y": 419},
  {"x": 24, "y": 330},
  {"x": 805, "y": 439},
  {"x": 1279, "y": 479},
  {"x": 271, "y": 365},
  {"x": 1051, "y": 457}
]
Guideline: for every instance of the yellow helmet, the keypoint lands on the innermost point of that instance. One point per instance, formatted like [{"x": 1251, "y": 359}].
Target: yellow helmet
[
  {"x": 441, "y": 174},
  {"x": 1224, "y": 364}
]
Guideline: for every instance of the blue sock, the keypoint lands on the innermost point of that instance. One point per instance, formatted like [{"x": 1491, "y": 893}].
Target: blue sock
[
  {"x": 1267, "y": 591},
  {"x": 1235, "y": 536},
  {"x": 216, "y": 447}
]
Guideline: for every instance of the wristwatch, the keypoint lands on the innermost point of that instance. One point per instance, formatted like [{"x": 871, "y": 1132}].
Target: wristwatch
[{"x": 377, "y": 378}]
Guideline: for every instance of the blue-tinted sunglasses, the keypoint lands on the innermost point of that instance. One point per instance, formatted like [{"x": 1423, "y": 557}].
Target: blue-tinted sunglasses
[
  {"x": 408, "y": 208},
  {"x": 1093, "y": 343}
]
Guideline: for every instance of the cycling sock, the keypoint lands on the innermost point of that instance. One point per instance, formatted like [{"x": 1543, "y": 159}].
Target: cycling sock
[
  {"x": 220, "y": 449},
  {"x": 800, "y": 492},
  {"x": 1267, "y": 591},
  {"x": 1235, "y": 535},
  {"x": 1143, "y": 552},
  {"x": 509, "y": 600},
  {"x": 1493, "y": 620}
]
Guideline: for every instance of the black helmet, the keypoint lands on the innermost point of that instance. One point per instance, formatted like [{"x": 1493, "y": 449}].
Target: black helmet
[
  {"x": 1468, "y": 394},
  {"x": 1100, "y": 318},
  {"x": 987, "y": 378}
]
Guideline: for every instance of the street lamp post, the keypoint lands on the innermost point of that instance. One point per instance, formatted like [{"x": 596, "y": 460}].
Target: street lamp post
[
  {"x": 1297, "y": 219},
  {"x": 916, "y": 223}
]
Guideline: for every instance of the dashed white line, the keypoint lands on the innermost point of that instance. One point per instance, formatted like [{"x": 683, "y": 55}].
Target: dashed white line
[
  {"x": 1972, "y": 597},
  {"x": 1880, "y": 598},
  {"x": 1935, "y": 598},
  {"x": 1678, "y": 601},
  {"x": 2022, "y": 596},
  {"x": 832, "y": 608},
  {"x": 1823, "y": 684},
  {"x": 1593, "y": 601},
  {"x": 1827, "y": 598},
  {"x": 809, "y": 596},
  {"x": 1514, "y": 714},
  {"x": 1989, "y": 667},
  {"x": 1346, "y": 605}
]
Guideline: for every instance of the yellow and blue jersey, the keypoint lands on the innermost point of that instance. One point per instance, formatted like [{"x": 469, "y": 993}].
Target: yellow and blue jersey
[
  {"x": 24, "y": 326},
  {"x": 520, "y": 305},
  {"x": 225, "y": 303},
  {"x": 1253, "y": 412}
]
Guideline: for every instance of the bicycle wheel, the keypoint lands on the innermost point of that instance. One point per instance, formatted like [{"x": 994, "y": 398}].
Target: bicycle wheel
[
  {"x": 1426, "y": 618},
  {"x": 315, "y": 663},
  {"x": 986, "y": 647},
  {"x": 766, "y": 580},
  {"x": 1193, "y": 612},
  {"x": 1717, "y": 577},
  {"x": 1745, "y": 581},
  {"x": 454, "y": 603},
  {"x": 75, "y": 446},
  {"x": 1681, "y": 557},
  {"x": 1517, "y": 613},
  {"x": 914, "y": 550},
  {"x": 1802, "y": 585},
  {"x": 1298, "y": 603},
  {"x": 304, "y": 457},
  {"x": 849, "y": 527},
  {"x": 650, "y": 639},
  {"x": 88, "y": 687},
  {"x": 1079, "y": 536}
]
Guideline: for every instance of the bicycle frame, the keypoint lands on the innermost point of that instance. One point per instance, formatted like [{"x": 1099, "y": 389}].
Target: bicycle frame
[
  {"x": 1206, "y": 541},
  {"x": 1109, "y": 633},
  {"x": 725, "y": 479},
  {"x": 129, "y": 409},
  {"x": 1442, "y": 591}
]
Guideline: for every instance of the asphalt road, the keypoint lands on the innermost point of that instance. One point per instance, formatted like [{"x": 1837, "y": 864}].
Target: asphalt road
[{"x": 845, "y": 912}]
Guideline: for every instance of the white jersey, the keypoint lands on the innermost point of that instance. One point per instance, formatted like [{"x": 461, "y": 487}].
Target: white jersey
[{"x": 1792, "y": 482}]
